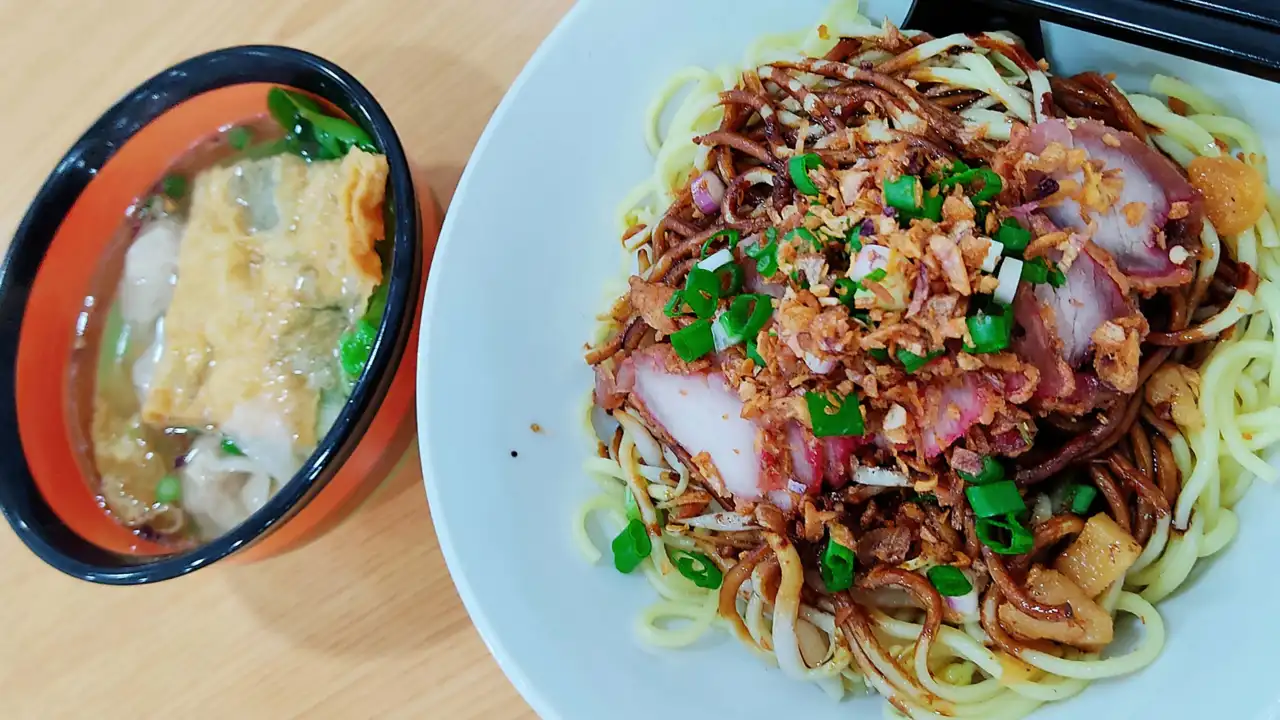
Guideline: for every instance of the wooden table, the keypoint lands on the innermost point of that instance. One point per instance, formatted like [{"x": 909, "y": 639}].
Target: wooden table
[{"x": 364, "y": 622}]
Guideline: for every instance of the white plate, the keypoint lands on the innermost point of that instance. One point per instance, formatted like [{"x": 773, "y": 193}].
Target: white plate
[{"x": 527, "y": 250}]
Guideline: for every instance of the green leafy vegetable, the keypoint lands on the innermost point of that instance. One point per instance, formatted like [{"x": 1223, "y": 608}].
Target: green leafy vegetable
[{"x": 304, "y": 121}]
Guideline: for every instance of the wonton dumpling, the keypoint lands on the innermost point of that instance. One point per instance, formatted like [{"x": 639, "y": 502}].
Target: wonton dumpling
[{"x": 276, "y": 259}]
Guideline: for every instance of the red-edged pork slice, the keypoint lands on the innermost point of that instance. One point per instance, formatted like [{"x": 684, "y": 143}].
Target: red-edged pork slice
[
  {"x": 807, "y": 461},
  {"x": 702, "y": 414},
  {"x": 1089, "y": 297},
  {"x": 1090, "y": 393},
  {"x": 1036, "y": 341},
  {"x": 838, "y": 452},
  {"x": 1151, "y": 184},
  {"x": 964, "y": 402}
]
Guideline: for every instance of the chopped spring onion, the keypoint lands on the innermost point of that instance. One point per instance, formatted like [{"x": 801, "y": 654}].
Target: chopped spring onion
[
  {"x": 730, "y": 276},
  {"x": 766, "y": 256},
  {"x": 932, "y": 206},
  {"x": 702, "y": 292},
  {"x": 629, "y": 502},
  {"x": 798, "y": 167},
  {"x": 716, "y": 259},
  {"x": 806, "y": 235},
  {"x": 903, "y": 194},
  {"x": 693, "y": 341},
  {"x": 1082, "y": 497},
  {"x": 1039, "y": 271},
  {"x": 837, "y": 564},
  {"x": 991, "y": 183},
  {"x": 355, "y": 347},
  {"x": 732, "y": 236},
  {"x": 912, "y": 362},
  {"x": 746, "y": 316},
  {"x": 631, "y": 547},
  {"x": 994, "y": 251},
  {"x": 698, "y": 568},
  {"x": 229, "y": 447},
  {"x": 911, "y": 201},
  {"x": 956, "y": 168},
  {"x": 1006, "y": 536},
  {"x": 844, "y": 288},
  {"x": 174, "y": 187},
  {"x": 239, "y": 137},
  {"x": 1009, "y": 276},
  {"x": 169, "y": 490},
  {"x": 997, "y": 498},
  {"x": 674, "y": 305},
  {"x": 990, "y": 333},
  {"x": 880, "y": 354},
  {"x": 854, "y": 238},
  {"x": 876, "y": 275},
  {"x": 950, "y": 580},
  {"x": 834, "y": 419},
  {"x": 754, "y": 353},
  {"x": 1013, "y": 236},
  {"x": 992, "y": 471}
]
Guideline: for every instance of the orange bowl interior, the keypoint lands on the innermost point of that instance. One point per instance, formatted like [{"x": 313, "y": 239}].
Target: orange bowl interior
[{"x": 57, "y": 299}]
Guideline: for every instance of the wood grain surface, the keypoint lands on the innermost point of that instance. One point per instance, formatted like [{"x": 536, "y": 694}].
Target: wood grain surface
[{"x": 364, "y": 622}]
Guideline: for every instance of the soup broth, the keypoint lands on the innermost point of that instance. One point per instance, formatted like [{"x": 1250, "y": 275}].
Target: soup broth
[{"x": 233, "y": 313}]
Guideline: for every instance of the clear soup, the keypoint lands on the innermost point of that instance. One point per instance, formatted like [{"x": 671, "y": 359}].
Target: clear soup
[{"x": 228, "y": 321}]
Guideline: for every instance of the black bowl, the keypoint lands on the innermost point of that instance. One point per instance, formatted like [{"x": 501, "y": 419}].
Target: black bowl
[{"x": 23, "y": 504}]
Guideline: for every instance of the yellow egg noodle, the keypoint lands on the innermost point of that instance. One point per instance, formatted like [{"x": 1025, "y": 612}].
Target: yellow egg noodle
[{"x": 1239, "y": 403}]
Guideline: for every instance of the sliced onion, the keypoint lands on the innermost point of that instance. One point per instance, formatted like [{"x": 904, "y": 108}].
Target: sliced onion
[
  {"x": 720, "y": 337},
  {"x": 708, "y": 192},
  {"x": 1041, "y": 509},
  {"x": 880, "y": 477},
  {"x": 723, "y": 521},
  {"x": 797, "y": 487},
  {"x": 716, "y": 260},
  {"x": 965, "y": 605},
  {"x": 812, "y": 267},
  {"x": 870, "y": 259},
  {"x": 819, "y": 365},
  {"x": 851, "y": 182},
  {"x": 1009, "y": 277},
  {"x": 994, "y": 251}
]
